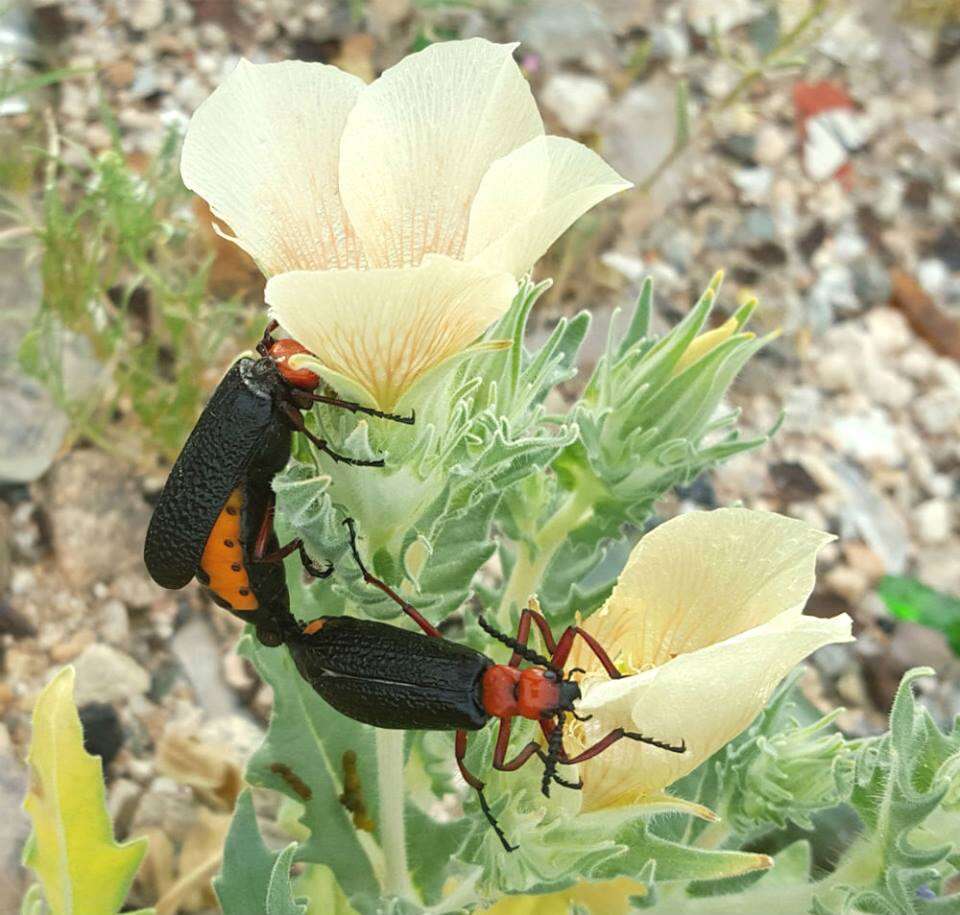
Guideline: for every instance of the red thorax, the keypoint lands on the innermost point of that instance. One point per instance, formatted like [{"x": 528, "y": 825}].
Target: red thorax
[
  {"x": 280, "y": 352},
  {"x": 530, "y": 693}
]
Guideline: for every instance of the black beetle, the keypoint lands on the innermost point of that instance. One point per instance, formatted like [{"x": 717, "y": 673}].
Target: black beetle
[{"x": 214, "y": 518}]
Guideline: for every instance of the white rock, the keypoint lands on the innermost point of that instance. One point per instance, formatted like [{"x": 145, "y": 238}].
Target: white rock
[
  {"x": 889, "y": 330},
  {"x": 933, "y": 275},
  {"x": 106, "y": 675},
  {"x": 868, "y": 437},
  {"x": 114, "y": 622},
  {"x": 940, "y": 485},
  {"x": 754, "y": 183},
  {"x": 834, "y": 291},
  {"x": 803, "y": 409},
  {"x": 190, "y": 92},
  {"x": 706, "y": 15},
  {"x": 889, "y": 199},
  {"x": 918, "y": 363},
  {"x": 772, "y": 145},
  {"x": 835, "y": 372},
  {"x": 933, "y": 521},
  {"x": 850, "y": 583},
  {"x": 669, "y": 41},
  {"x": 578, "y": 101},
  {"x": 143, "y": 15},
  {"x": 631, "y": 268},
  {"x": 938, "y": 411},
  {"x": 651, "y": 105},
  {"x": 885, "y": 386}
]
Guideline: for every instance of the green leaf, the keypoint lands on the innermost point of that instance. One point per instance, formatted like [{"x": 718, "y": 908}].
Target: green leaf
[
  {"x": 302, "y": 757},
  {"x": 247, "y": 863},
  {"x": 324, "y": 895},
  {"x": 280, "y": 899},
  {"x": 909, "y": 599},
  {"x": 33, "y": 903},
  {"x": 72, "y": 850}
]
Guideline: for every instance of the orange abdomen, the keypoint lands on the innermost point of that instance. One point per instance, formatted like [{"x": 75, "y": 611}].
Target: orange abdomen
[{"x": 222, "y": 561}]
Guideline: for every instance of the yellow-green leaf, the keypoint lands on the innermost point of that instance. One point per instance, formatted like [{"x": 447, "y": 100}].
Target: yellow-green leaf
[{"x": 72, "y": 849}]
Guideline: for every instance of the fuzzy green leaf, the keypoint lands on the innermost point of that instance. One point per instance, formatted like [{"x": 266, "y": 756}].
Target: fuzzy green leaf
[
  {"x": 302, "y": 757},
  {"x": 248, "y": 865},
  {"x": 71, "y": 849},
  {"x": 280, "y": 899}
]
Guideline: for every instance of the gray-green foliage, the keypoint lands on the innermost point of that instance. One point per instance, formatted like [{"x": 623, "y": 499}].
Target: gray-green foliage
[
  {"x": 121, "y": 269},
  {"x": 494, "y": 493}
]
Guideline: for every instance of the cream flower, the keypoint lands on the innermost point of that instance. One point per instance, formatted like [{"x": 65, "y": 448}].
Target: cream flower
[
  {"x": 392, "y": 219},
  {"x": 707, "y": 617}
]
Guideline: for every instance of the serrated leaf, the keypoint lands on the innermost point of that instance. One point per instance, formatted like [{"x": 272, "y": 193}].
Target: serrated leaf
[
  {"x": 302, "y": 757},
  {"x": 431, "y": 850},
  {"x": 248, "y": 864},
  {"x": 72, "y": 850},
  {"x": 280, "y": 899}
]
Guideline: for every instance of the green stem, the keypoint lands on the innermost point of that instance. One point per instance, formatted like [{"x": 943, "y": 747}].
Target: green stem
[
  {"x": 532, "y": 563},
  {"x": 393, "y": 829}
]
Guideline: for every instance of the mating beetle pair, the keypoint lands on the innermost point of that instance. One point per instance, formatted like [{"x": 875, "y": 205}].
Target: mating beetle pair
[{"x": 214, "y": 521}]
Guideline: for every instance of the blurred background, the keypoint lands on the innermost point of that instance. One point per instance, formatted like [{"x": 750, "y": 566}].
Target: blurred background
[{"x": 809, "y": 149}]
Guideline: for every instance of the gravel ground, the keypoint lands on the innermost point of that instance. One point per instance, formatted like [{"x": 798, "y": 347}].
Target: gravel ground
[{"x": 829, "y": 191}]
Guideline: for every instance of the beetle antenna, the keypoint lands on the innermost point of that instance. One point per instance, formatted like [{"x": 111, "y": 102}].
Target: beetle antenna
[
  {"x": 528, "y": 654},
  {"x": 266, "y": 341}
]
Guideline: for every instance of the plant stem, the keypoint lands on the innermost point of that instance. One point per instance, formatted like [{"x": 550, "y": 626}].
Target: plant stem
[
  {"x": 531, "y": 565},
  {"x": 393, "y": 830}
]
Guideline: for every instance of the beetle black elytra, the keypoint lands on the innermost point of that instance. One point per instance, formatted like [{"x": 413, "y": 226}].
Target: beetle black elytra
[
  {"x": 390, "y": 677},
  {"x": 214, "y": 517}
]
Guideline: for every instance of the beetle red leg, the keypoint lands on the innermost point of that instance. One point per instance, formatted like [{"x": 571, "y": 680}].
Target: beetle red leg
[
  {"x": 371, "y": 579},
  {"x": 523, "y": 633},
  {"x": 562, "y": 651},
  {"x": 620, "y": 734},
  {"x": 503, "y": 744},
  {"x": 477, "y": 785},
  {"x": 260, "y": 553},
  {"x": 296, "y": 420}
]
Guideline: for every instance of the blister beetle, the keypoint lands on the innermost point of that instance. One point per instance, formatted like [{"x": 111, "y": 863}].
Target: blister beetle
[
  {"x": 390, "y": 677},
  {"x": 214, "y": 517}
]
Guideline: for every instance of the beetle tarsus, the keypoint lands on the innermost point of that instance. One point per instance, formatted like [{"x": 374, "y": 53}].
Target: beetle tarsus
[
  {"x": 659, "y": 744},
  {"x": 492, "y": 820}
]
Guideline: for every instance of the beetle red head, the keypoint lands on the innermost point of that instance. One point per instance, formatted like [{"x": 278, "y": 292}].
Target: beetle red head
[{"x": 281, "y": 351}]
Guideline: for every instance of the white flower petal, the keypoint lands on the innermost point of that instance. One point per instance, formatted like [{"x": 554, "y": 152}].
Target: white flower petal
[
  {"x": 384, "y": 329},
  {"x": 420, "y": 140},
  {"x": 704, "y": 698},
  {"x": 700, "y": 578},
  {"x": 263, "y": 151},
  {"x": 529, "y": 198}
]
